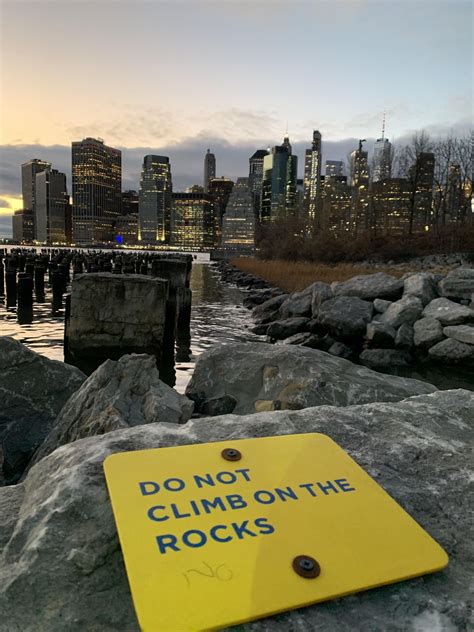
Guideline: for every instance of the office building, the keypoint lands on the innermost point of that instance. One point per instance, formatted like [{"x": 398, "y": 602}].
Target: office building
[
  {"x": 421, "y": 178},
  {"x": 334, "y": 168},
  {"x": 193, "y": 223},
  {"x": 390, "y": 206},
  {"x": 220, "y": 190},
  {"x": 23, "y": 226},
  {"x": 238, "y": 228},
  {"x": 29, "y": 170},
  {"x": 126, "y": 229},
  {"x": 256, "y": 180},
  {"x": 312, "y": 179},
  {"x": 96, "y": 190},
  {"x": 279, "y": 199},
  {"x": 336, "y": 212},
  {"x": 130, "y": 203},
  {"x": 209, "y": 169},
  {"x": 382, "y": 159},
  {"x": 51, "y": 207},
  {"x": 360, "y": 189},
  {"x": 155, "y": 199}
]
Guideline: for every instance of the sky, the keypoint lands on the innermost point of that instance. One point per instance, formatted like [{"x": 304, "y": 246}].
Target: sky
[{"x": 178, "y": 77}]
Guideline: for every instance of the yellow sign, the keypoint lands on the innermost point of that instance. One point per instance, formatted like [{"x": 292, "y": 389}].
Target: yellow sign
[{"x": 222, "y": 533}]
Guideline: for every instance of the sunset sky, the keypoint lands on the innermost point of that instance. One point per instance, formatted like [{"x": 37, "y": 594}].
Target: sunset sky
[{"x": 178, "y": 77}]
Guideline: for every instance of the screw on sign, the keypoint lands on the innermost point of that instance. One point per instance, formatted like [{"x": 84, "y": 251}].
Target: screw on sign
[
  {"x": 306, "y": 566},
  {"x": 230, "y": 454}
]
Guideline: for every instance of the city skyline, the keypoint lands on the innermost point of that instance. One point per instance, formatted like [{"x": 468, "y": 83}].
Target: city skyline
[{"x": 212, "y": 95}]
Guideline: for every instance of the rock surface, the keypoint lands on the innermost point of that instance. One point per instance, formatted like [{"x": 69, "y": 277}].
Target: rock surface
[
  {"x": 320, "y": 292},
  {"x": 459, "y": 283},
  {"x": 281, "y": 329},
  {"x": 452, "y": 351},
  {"x": 383, "y": 358},
  {"x": 268, "y": 310},
  {"x": 288, "y": 377},
  {"x": 117, "y": 395},
  {"x": 448, "y": 312},
  {"x": 463, "y": 333},
  {"x": 61, "y": 566},
  {"x": 33, "y": 389},
  {"x": 380, "y": 335},
  {"x": 403, "y": 312},
  {"x": 381, "y": 306},
  {"x": 345, "y": 317},
  {"x": 422, "y": 285},
  {"x": 427, "y": 332},
  {"x": 370, "y": 286}
]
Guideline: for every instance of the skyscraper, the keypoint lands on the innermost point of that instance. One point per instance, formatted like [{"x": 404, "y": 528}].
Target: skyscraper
[
  {"x": 382, "y": 159},
  {"x": 209, "y": 169},
  {"x": 193, "y": 224},
  {"x": 51, "y": 207},
  {"x": 220, "y": 190},
  {"x": 336, "y": 205},
  {"x": 155, "y": 199},
  {"x": 279, "y": 197},
  {"x": 28, "y": 186},
  {"x": 256, "y": 180},
  {"x": 360, "y": 183},
  {"x": 312, "y": 178},
  {"x": 96, "y": 190},
  {"x": 238, "y": 228},
  {"x": 334, "y": 168},
  {"x": 421, "y": 180}
]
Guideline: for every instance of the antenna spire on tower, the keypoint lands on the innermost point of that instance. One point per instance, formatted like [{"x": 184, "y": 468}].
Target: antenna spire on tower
[{"x": 383, "y": 125}]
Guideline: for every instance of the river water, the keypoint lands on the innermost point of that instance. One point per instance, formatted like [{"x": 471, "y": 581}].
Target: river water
[{"x": 217, "y": 316}]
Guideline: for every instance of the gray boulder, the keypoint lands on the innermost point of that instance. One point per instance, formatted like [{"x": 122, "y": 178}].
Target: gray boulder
[
  {"x": 345, "y": 317},
  {"x": 427, "y": 332},
  {"x": 421, "y": 285},
  {"x": 384, "y": 358},
  {"x": 452, "y": 351},
  {"x": 268, "y": 311},
  {"x": 340, "y": 350},
  {"x": 297, "y": 304},
  {"x": 57, "y": 531},
  {"x": 268, "y": 377},
  {"x": 33, "y": 389},
  {"x": 119, "y": 394},
  {"x": 448, "y": 312},
  {"x": 404, "y": 337},
  {"x": 459, "y": 284},
  {"x": 305, "y": 339},
  {"x": 280, "y": 329},
  {"x": 403, "y": 312},
  {"x": 463, "y": 333},
  {"x": 320, "y": 292},
  {"x": 381, "y": 306},
  {"x": 370, "y": 286},
  {"x": 380, "y": 335}
]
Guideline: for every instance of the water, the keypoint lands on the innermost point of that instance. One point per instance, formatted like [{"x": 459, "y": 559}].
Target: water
[{"x": 217, "y": 316}]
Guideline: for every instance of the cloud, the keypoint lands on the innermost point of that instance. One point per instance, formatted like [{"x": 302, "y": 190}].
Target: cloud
[{"x": 4, "y": 203}]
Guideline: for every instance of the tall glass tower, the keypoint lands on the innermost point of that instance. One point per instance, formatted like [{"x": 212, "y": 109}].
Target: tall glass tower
[
  {"x": 312, "y": 178},
  {"x": 155, "y": 197},
  {"x": 209, "y": 169}
]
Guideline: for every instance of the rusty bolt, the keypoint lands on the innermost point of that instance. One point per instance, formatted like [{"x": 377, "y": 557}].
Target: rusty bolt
[
  {"x": 231, "y": 454},
  {"x": 306, "y": 566}
]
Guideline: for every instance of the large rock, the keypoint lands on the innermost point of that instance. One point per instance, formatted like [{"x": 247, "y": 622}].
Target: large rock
[
  {"x": 61, "y": 566},
  {"x": 384, "y": 358},
  {"x": 404, "y": 337},
  {"x": 297, "y": 304},
  {"x": 427, "y": 332},
  {"x": 452, "y": 351},
  {"x": 421, "y": 285},
  {"x": 380, "y": 335},
  {"x": 403, "y": 312},
  {"x": 463, "y": 333},
  {"x": 268, "y": 311},
  {"x": 370, "y": 286},
  {"x": 448, "y": 312},
  {"x": 381, "y": 306},
  {"x": 459, "y": 284},
  {"x": 345, "y": 316},
  {"x": 117, "y": 395},
  {"x": 262, "y": 376},
  {"x": 320, "y": 292},
  {"x": 33, "y": 389},
  {"x": 281, "y": 329}
]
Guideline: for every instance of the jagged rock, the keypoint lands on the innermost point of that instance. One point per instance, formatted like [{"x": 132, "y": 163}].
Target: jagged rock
[
  {"x": 268, "y": 311},
  {"x": 459, "y": 284},
  {"x": 380, "y": 335},
  {"x": 463, "y": 333},
  {"x": 370, "y": 286},
  {"x": 403, "y": 312},
  {"x": 216, "y": 406},
  {"x": 297, "y": 304},
  {"x": 381, "y": 306},
  {"x": 57, "y": 531},
  {"x": 452, "y": 351},
  {"x": 427, "y": 332},
  {"x": 320, "y": 292},
  {"x": 305, "y": 339},
  {"x": 117, "y": 395},
  {"x": 340, "y": 350},
  {"x": 285, "y": 376},
  {"x": 448, "y": 312},
  {"x": 383, "y": 358},
  {"x": 257, "y": 297},
  {"x": 345, "y": 317},
  {"x": 421, "y": 285},
  {"x": 404, "y": 337},
  {"x": 260, "y": 330},
  {"x": 280, "y": 329},
  {"x": 33, "y": 389}
]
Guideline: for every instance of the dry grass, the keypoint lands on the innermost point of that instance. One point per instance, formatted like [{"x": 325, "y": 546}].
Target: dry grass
[{"x": 296, "y": 275}]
